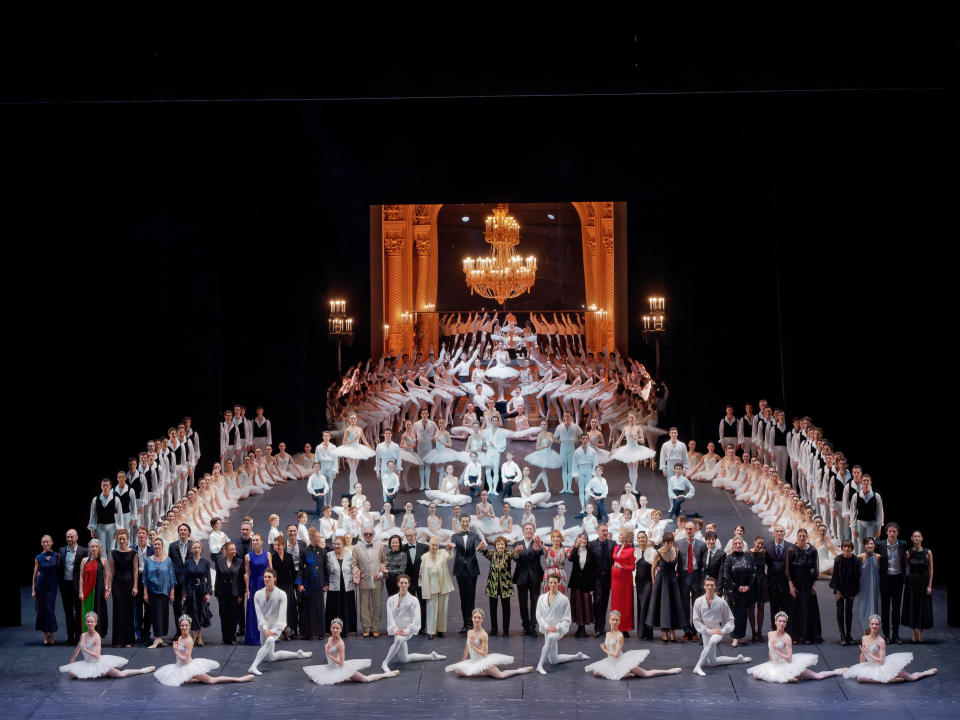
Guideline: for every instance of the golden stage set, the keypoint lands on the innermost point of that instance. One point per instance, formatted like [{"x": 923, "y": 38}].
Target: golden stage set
[{"x": 404, "y": 276}]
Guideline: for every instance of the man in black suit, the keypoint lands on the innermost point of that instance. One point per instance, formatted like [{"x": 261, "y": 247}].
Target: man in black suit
[
  {"x": 415, "y": 552},
  {"x": 466, "y": 569},
  {"x": 243, "y": 549},
  {"x": 712, "y": 559},
  {"x": 527, "y": 575},
  {"x": 179, "y": 551},
  {"x": 890, "y": 564},
  {"x": 141, "y": 619},
  {"x": 690, "y": 552},
  {"x": 602, "y": 549},
  {"x": 296, "y": 548},
  {"x": 71, "y": 555},
  {"x": 777, "y": 582}
]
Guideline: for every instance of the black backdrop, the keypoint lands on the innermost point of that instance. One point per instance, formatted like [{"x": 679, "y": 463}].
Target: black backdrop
[{"x": 178, "y": 257}]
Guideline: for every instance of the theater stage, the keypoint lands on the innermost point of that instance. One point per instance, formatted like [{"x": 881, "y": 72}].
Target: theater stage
[{"x": 30, "y": 685}]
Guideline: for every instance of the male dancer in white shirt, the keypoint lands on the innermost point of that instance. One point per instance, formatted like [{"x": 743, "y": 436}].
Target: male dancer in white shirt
[
  {"x": 386, "y": 451},
  {"x": 553, "y": 620},
  {"x": 672, "y": 453},
  {"x": 403, "y": 622},
  {"x": 510, "y": 475},
  {"x": 713, "y": 619},
  {"x": 270, "y": 603}
]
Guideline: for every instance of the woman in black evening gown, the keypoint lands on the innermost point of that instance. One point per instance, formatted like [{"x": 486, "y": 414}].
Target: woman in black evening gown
[
  {"x": 666, "y": 604},
  {"x": 286, "y": 580},
  {"x": 646, "y": 556},
  {"x": 802, "y": 569},
  {"x": 917, "y": 611},
  {"x": 737, "y": 577},
  {"x": 196, "y": 591},
  {"x": 123, "y": 570}
]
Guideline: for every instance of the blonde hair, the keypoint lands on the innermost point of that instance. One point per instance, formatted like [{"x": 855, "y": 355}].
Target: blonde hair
[{"x": 273, "y": 517}]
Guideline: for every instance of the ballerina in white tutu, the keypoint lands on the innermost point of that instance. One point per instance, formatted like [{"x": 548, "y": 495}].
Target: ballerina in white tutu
[
  {"x": 544, "y": 457},
  {"x": 477, "y": 660},
  {"x": 355, "y": 447},
  {"x": 540, "y": 500},
  {"x": 499, "y": 368},
  {"x": 338, "y": 669},
  {"x": 618, "y": 664},
  {"x": 94, "y": 664},
  {"x": 448, "y": 494},
  {"x": 443, "y": 451},
  {"x": 876, "y": 666},
  {"x": 434, "y": 526},
  {"x": 188, "y": 669},
  {"x": 485, "y": 518},
  {"x": 633, "y": 453},
  {"x": 784, "y": 664}
]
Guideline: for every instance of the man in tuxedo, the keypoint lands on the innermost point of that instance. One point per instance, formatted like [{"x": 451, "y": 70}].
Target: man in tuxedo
[
  {"x": 296, "y": 548},
  {"x": 890, "y": 564},
  {"x": 713, "y": 558},
  {"x": 179, "y": 551},
  {"x": 71, "y": 555},
  {"x": 466, "y": 569},
  {"x": 141, "y": 620},
  {"x": 690, "y": 570},
  {"x": 415, "y": 552},
  {"x": 527, "y": 575},
  {"x": 602, "y": 549},
  {"x": 777, "y": 582}
]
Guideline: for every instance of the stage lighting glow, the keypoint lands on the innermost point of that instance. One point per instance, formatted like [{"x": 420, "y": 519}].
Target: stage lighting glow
[
  {"x": 551, "y": 216},
  {"x": 465, "y": 218}
]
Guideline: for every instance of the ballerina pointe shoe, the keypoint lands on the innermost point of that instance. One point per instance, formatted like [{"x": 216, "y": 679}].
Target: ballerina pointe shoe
[
  {"x": 246, "y": 678},
  {"x": 541, "y": 670},
  {"x": 304, "y": 653}
]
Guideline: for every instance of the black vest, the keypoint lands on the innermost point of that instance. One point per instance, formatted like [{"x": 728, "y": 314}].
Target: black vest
[
  {"x": 151, "y": 480},
  {"x": 179, "y": 454},
  {"x": 729, "y": 429},
  {"x": 137, "y": 484},
  {"x": 232, "y": 435},
  {"x": 260, "y": 431},
  {"x": 838, "y": 487},
  {"x": 867, "y": 509},
  {"x": 747, "y": 427},
  {"x": 106, "y": 515},
  {"x": 779, "y": 436},
  {"x": 124, "y": 499},
  {"x": 242, "y": 426}
]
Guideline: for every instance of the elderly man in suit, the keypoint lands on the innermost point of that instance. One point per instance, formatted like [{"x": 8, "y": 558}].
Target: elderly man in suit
[
  {"x": 527, "y": 575},
  {"x": 370, "y": 567},
  {"x": 71, "y": 555},
  {"x": 415, "y": 552},
  {"x": 179, "y": 551},
  {"x": 691, "y": 553},
  {"x": 777, "y": 582},
  {"x": 602, "y": 549},
  {"x": 890, "y": 565},
  {"x": 466, "y": 569}
]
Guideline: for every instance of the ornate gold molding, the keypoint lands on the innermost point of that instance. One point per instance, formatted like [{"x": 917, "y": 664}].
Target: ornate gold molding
[{"x": 393, "y": 242}]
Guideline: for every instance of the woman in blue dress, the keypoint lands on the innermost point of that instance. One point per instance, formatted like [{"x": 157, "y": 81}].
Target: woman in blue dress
[
  {"x": 257, "y": 561},
  {"x": 45, "y": 587},
  {"x": 868, "y": 599}
]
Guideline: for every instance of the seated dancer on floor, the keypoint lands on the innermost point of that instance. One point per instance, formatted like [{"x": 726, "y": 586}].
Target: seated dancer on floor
[
  {"x": 618, "y": 664},
  {"x": 478, "y": 660},
  {"x": 338, "y": 669}
]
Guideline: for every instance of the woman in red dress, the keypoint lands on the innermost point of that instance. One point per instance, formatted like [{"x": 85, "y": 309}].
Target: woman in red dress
[{"x": 621, "y": 580}]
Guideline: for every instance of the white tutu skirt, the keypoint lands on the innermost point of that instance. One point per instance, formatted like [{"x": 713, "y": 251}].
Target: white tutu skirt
[
  {"x": 331, "y": 674},
  {"x": 632, "y": 455},
  {"x": 409, "y": 457},
  {"x": 447, "y": 498},
  {"x": 461, "y": 432},
  {"x": 424, "y": 534},
  {"x": 502, "y": 372},
  {"x": 354, "y": 452},
  {"x": 616, "y": 668},
  {"x": 892, "y": 665},
  {"x": 781, "y": 672},
  {"x": 86, "y": 669},
  {"x": 546, "y": 458},
  {"x": 485, "y": 525},
  {"x": 475, "y": 667},
  {"x": 442, "y": 456},
  {"x": 385, "y": 535},
  {"x": 527, "y": 435},
  {"x": 175, "y": 675},
  {"x": 603, "y": 456},
  {"x": 537, "y": 499}
]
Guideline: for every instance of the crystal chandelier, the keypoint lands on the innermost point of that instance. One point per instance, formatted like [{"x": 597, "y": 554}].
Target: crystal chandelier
[{"x": 503, "y": 274}]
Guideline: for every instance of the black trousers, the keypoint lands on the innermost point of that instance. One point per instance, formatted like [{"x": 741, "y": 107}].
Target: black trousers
[
  {"x": 242, "y": 619},
  {"x": 141, "y": 613},
  {"x": 690, "y": 591},
  {"x": 601, "y": 601},
  {"x": 505, "y": 606},
  {"x": 527, "y": 595},
  {"x": 229, "y": 617},
  {"x": 741, "y": 610},
  {"x": 891, "y": 598},
  {"x": 72, "y": 610},
  {"x": 779, "y": 601},
  {"x": 467, "y": 585},
  {"x": 423, "y": 608},
  {"x": 160, "y": 614},
  {"x": 845, "y": 617}
]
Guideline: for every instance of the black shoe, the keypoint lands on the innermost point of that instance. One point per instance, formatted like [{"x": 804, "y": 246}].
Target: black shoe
[
  {"x": 422, "y": 632},
  {"x": 844, "y": 642},
  {"x": 896, "y": 640},
  {"x": 462, "y": 631},
  {"x": 440, "y": 634},
  {"x": 506, "y": 633},
  {"x": 626, "y": 634},
  {"x": 494, "y": 632}
]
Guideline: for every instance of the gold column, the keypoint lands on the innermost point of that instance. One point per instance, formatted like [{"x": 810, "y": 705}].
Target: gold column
[
  {"x": 393, "y": 246},
  {"x": 609, "y": 295}
]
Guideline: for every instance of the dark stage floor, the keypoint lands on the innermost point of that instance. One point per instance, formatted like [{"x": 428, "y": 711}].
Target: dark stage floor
[{"x": 30, "y": 685}]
